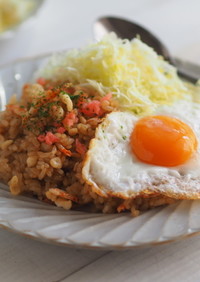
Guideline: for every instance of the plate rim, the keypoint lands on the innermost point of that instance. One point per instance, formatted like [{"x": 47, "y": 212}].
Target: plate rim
[{"x": 95, "y": 247}]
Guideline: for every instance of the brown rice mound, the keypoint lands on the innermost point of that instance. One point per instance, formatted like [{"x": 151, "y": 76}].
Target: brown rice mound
[{"x": 43, "y": 141}]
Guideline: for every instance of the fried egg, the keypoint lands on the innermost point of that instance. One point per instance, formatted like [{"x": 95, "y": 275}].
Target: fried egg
[{"x": 160, "y": 154}]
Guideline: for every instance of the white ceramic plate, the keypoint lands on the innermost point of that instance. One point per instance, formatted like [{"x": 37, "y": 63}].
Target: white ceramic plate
[{"x": 41, "y": 221}]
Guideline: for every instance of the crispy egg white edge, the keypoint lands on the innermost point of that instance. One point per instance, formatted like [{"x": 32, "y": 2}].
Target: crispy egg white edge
[{"x": 178, "y": 182}]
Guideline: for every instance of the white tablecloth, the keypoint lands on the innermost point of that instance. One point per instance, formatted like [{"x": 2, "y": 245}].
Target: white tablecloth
[{"x": 63, "y": 24}]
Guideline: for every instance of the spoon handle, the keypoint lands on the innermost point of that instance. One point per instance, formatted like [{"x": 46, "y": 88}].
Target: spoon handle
[
  {"x": 187, "y": 77},
  {"x": 188, "y": 71}
]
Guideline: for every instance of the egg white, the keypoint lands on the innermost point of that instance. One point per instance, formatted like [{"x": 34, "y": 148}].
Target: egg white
[{"x": 112, "y": 169}]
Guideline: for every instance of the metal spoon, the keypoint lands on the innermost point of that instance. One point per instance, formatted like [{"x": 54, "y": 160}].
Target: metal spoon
[{"x": 129, "y": 30}]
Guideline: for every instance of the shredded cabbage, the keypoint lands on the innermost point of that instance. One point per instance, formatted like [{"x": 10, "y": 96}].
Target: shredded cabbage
[{"x": 138, "y": 77}]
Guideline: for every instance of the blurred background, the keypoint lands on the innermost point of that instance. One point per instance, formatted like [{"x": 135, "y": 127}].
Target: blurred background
[{"x": 63, "y": 24}]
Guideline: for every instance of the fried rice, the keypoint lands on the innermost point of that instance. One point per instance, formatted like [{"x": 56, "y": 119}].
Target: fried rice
[{"x": 43, "y": 141}]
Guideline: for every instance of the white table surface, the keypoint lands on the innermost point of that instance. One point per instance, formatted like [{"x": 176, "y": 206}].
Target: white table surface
[{"x": 68, "y": 23}]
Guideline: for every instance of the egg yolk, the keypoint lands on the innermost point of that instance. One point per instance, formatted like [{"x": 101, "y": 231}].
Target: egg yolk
[{"x": 163, "y": 141}]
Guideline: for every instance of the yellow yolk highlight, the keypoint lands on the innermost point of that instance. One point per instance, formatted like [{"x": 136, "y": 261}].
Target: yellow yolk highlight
[{"x": 163, "y": 141}]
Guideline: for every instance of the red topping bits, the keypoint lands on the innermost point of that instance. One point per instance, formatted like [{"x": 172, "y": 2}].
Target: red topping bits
[
  {"x": 70, "y": 119},
  {"x": 82, "y": 99},
  {"x": 92, "y": 108},
  {"x": 41, "y": 81},
  {"x": 49, "y": 138},
  {"x": 80, "y": 148},
  {"x": 61, "y": 129},
  {"x": 41, "y": 138}
]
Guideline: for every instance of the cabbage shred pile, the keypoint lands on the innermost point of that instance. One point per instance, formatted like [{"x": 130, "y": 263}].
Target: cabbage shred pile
[{"x": 138, "y": 78}]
